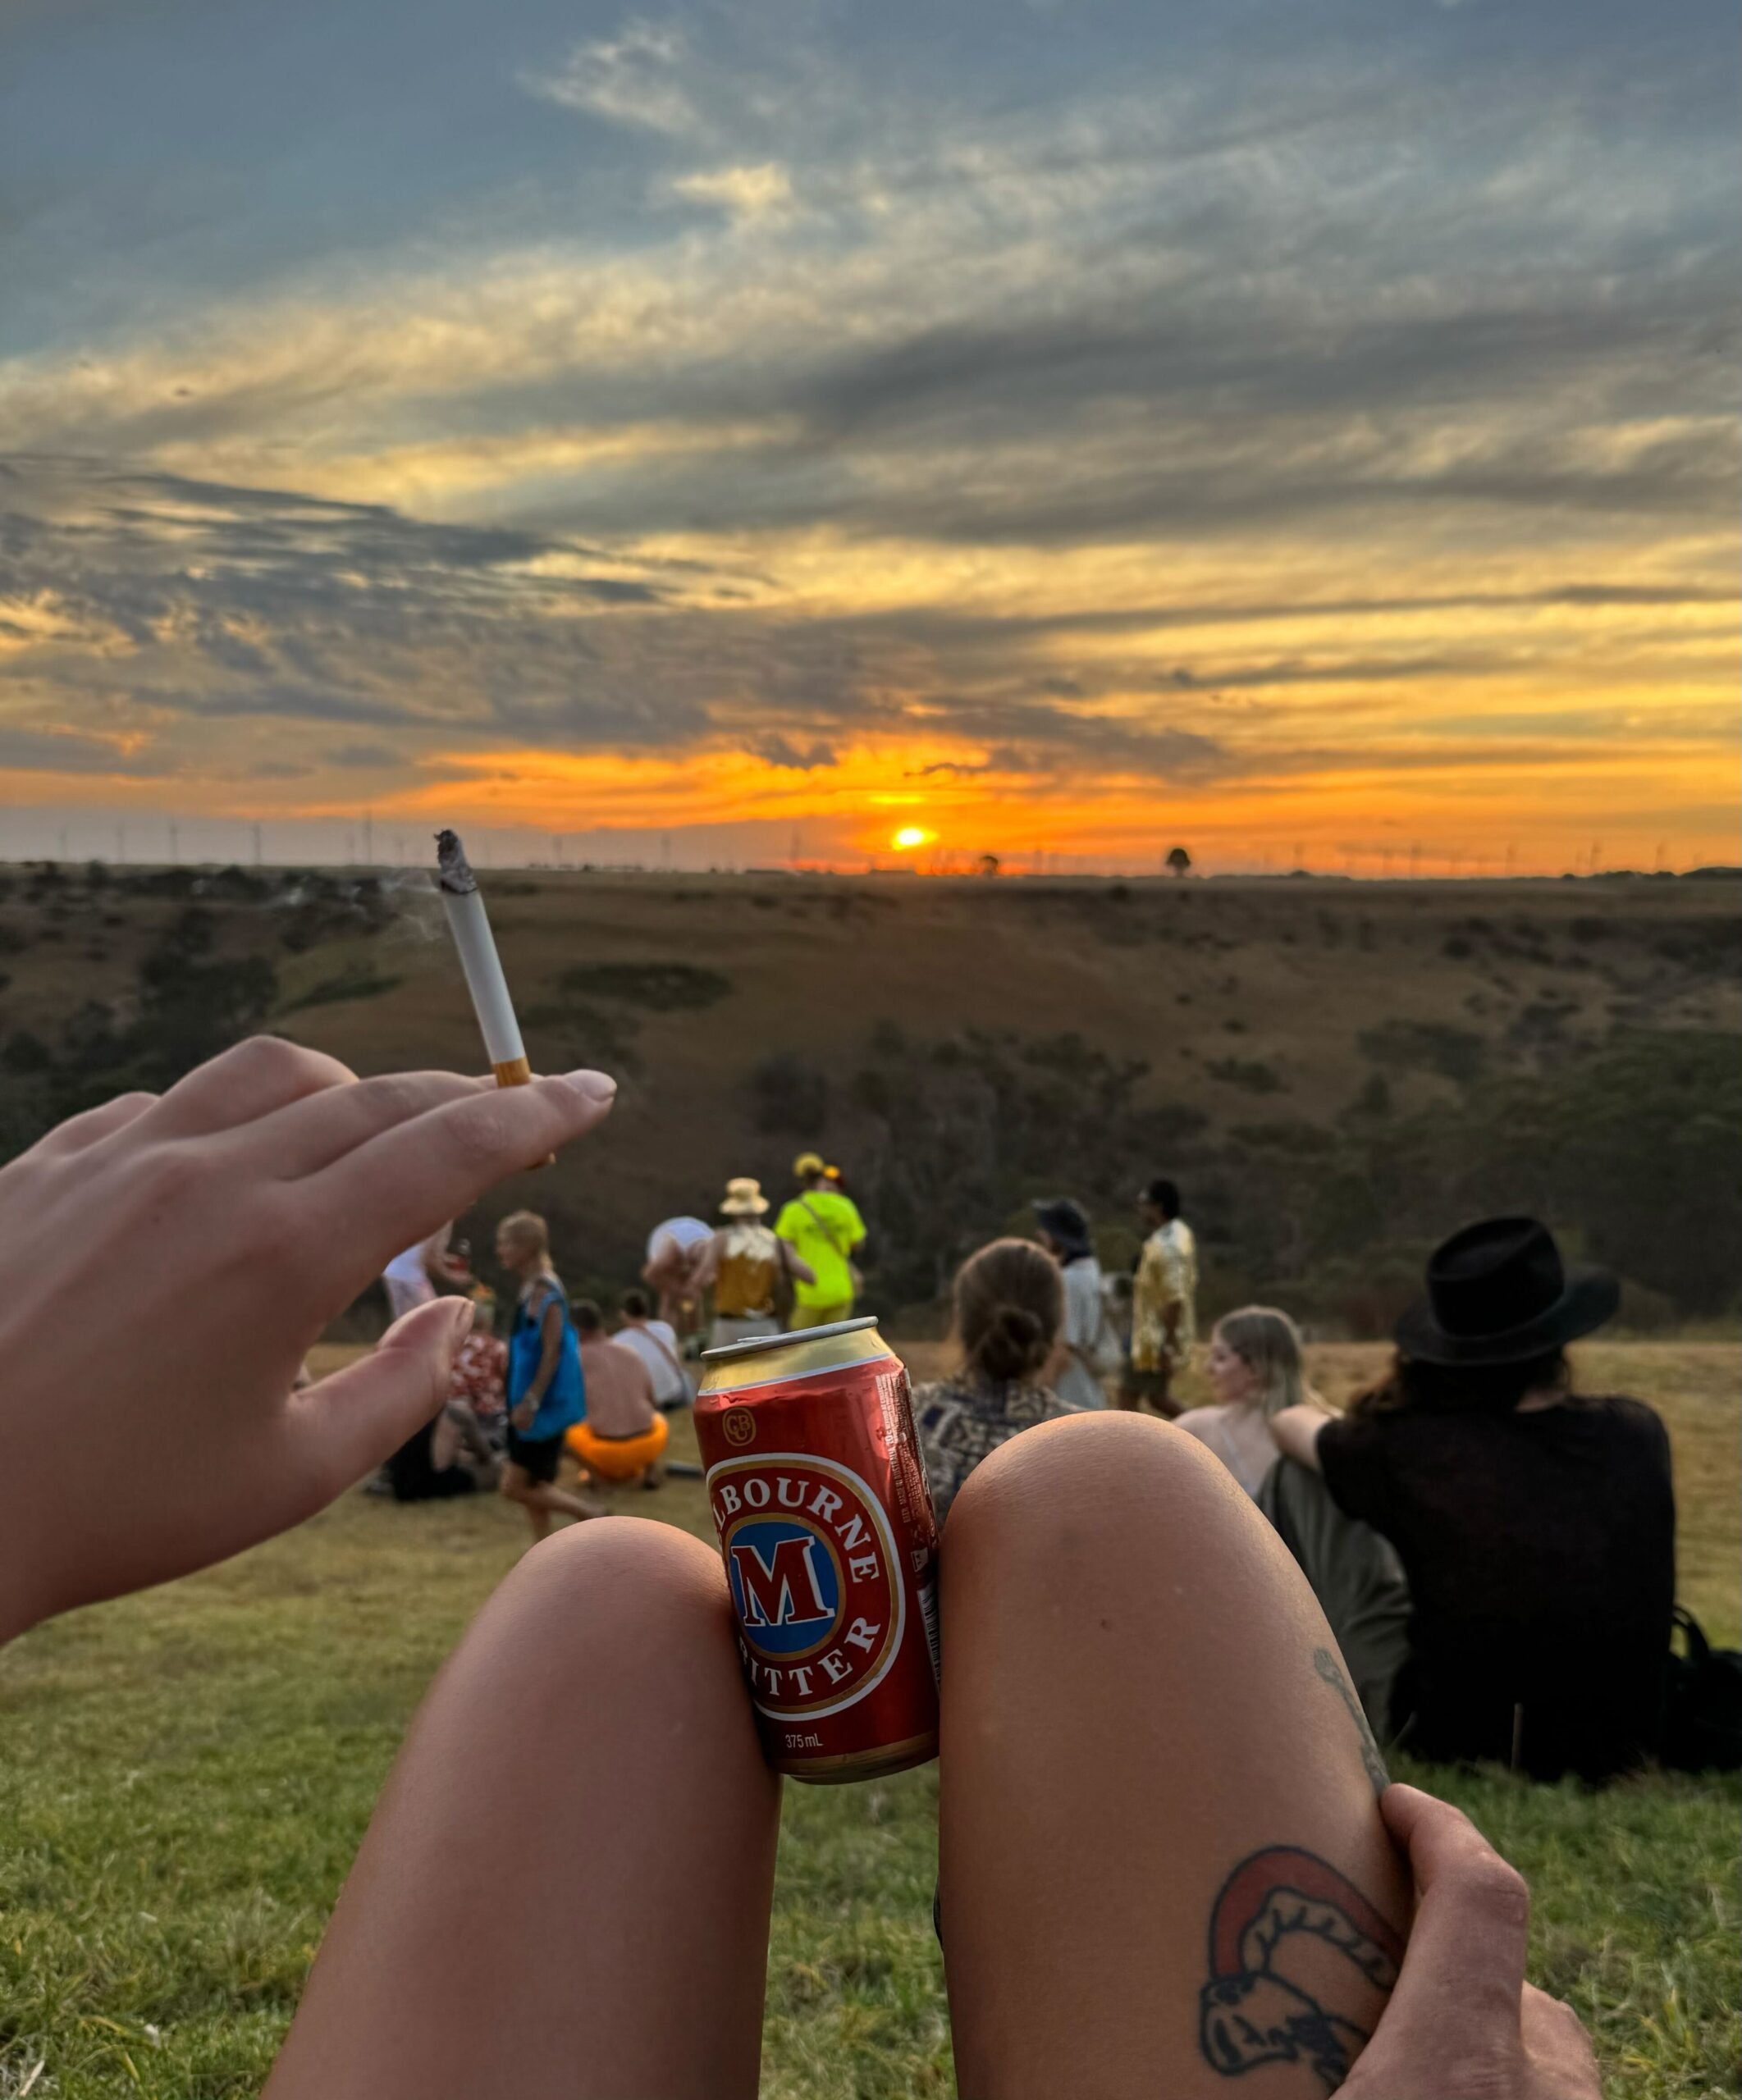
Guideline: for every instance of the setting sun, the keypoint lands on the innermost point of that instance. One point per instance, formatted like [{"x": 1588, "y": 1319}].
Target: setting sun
[{"x": 911, "y": 835}]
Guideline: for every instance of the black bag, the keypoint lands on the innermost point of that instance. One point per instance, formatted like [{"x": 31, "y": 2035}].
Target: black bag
[{"x": 1702, "y": 1703}]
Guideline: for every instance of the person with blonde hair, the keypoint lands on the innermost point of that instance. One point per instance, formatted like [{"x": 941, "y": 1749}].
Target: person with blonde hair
[
  {"x": 547, "y": 1395},
  {"x": 1256, "y": 1369},
  {"x": 1009, "y": 1309},
  {"x": 749, "y": 1270}
]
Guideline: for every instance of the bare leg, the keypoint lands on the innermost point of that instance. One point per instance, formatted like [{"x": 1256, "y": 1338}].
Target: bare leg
[
  {"x": 542, "y": 1499},
  {"x": 565, "y": 1888},
  {"x": 1146, "y": 1737}
]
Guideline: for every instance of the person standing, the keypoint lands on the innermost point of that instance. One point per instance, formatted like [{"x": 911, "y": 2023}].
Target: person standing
[
  {"x": 823, "y": 1227},
  {"x": 655, "y": 1343},
  {"x": 546, "y": 1393},
  {"x": 415, "y": 1278},
  {"x": 1164, "y": 1322},
  {"x": 749, "y": 1268},
  {"x": 623, "y": 1435},
  {"x": 674, "y": 1250},
  {"x": 1088, "y": 1348}
]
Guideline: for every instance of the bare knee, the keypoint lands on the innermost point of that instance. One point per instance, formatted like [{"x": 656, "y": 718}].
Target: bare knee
[
  {"x": 629, "y": 1585},
  {"x": 1103, "y": 1487},
  {"x": 1095, "y": 1462}
]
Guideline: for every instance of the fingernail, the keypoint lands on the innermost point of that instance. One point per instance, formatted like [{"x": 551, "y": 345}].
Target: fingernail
[
  {"x": 596, "y": 1086},
  {"x": 460, "y": 1319}
]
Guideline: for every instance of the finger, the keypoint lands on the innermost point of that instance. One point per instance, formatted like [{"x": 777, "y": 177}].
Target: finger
[
  {"x": 340, "y": 1430},
  {"x": 309, "y": 1134},
  {"x": 1467, "y": 1943},
  {"x": 1556, "y": 2041},
  {"x": 398, "y": 1188},
  {"x": 78, "y": 1131},
  {"x": 251, "y": 1080}
]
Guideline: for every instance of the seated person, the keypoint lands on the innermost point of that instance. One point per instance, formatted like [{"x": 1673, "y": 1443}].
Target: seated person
[
  {"x": 1010, "y": 1310},
  {"x": 1256, "y": 1369},
  {"x": 624, "y": 1434},
  {"x": 477, "y": 1392},
  {"x": 460, "y": 1451},
  {"x": 655, "y": 1343},
  {"x": 1537, "y": 1526}
]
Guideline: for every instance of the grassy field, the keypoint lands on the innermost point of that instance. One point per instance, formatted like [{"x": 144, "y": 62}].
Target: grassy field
[{"x": 183, "y": 1777}]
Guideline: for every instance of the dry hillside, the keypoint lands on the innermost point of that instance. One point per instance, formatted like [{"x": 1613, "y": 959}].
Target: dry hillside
[{"x": 958, "y": 1044}]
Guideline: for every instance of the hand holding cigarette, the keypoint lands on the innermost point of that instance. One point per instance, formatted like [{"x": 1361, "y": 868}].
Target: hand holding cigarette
[{"x": 157, "y": 1427}]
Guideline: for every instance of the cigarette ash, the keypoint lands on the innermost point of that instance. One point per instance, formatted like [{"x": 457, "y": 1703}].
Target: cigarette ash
[{"x": 455, "y": 875}]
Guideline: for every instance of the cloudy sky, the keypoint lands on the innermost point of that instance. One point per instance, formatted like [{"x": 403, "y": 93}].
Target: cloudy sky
[{"x": 749, "y": 429}]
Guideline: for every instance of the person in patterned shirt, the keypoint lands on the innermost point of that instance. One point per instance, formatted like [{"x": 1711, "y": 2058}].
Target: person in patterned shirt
[
  {"x": 1010, "y": 1307},
  {"x": 478, "y": 1383}
]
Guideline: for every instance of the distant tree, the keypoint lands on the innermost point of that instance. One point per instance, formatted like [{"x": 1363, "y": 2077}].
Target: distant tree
[
  {"x": 990, "y": 864},
  {"x": 1179, "y": 859}
]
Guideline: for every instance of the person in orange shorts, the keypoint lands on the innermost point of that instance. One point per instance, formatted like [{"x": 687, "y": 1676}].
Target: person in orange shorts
[{"x": 623, "y": 1435}]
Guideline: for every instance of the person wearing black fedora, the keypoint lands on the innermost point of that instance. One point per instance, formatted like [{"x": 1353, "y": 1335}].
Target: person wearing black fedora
[{"x": 1536, "y": 1526}]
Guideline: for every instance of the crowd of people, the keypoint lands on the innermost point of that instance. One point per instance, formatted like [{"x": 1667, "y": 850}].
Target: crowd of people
[
  {"x": 1495, "y": 1551},
  {"x": 1113, "y": 1604}
]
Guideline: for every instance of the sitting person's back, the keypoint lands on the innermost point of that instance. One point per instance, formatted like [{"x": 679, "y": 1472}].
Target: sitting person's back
[
  {"x": 620, "y": 1393},
  {"x": 1536, "y": 1526},
  {"x": 1009, "y": 1308},
  {"x": 655, "y": 1343},
  {"x": 624, "y": 1435}
]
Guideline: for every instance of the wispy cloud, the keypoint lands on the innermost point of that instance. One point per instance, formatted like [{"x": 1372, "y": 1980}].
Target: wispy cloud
[
  {"x": 634, "y": 78},
  {"x": 744, "y": 193}
]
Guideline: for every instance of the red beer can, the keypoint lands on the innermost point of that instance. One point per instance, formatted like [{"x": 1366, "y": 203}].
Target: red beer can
[{"x": 825, "y": 1526}]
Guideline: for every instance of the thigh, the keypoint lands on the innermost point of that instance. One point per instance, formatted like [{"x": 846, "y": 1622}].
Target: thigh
[
  {"x": 565, "y": 1890},
  {"x": 1162, "y": 1863}
]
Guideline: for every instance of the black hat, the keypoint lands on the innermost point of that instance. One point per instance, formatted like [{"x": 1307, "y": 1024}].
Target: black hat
[
  {"x": 1065, "y": 1222},
  {"x": 1498, "y": 1293}
]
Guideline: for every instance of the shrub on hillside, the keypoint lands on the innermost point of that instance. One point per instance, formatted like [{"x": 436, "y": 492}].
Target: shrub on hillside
[
  {"x": 662, "y": 987},
  {"x": 789, "y": 1093},
  {"x": 1425, "y": 1045}
]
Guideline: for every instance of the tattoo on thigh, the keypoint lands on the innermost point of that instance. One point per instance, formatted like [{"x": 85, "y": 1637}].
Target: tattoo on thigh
[
  {"x": 1331, "y": 1670},
  {"x": 1272, "y": 1996}
]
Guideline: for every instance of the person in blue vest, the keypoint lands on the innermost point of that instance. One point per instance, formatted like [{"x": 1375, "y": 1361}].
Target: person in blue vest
[{"x": 546, "y": 1394}]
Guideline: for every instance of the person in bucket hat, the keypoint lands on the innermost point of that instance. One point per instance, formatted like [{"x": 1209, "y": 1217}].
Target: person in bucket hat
[
  {"x": 749, "y": 1271},
  {"x": 1535, "y": 1524}
]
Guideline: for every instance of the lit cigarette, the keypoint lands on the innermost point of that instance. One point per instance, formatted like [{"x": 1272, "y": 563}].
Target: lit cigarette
[{"x": 469, "y": 924}]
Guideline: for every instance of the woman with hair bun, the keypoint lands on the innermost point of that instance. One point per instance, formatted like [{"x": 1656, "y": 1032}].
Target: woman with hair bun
[{"x": 1010, "y": 1307}]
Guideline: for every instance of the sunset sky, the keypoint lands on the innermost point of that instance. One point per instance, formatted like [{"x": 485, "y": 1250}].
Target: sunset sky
[{"x": 743, "y": 431}]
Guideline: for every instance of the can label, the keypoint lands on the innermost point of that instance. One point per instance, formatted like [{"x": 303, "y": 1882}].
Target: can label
[
  {"x": 817, "y": 1492},
  {"x": 815, "y": 1577}
]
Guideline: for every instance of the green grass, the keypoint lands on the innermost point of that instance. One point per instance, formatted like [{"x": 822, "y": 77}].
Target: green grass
[{"x": 185, "y": 1776}]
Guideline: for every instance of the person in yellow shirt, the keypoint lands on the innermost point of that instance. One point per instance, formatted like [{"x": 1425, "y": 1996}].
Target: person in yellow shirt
[
  {"x": 823, "y": 1228},
  {"x": 1163, "y": 1312}
]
